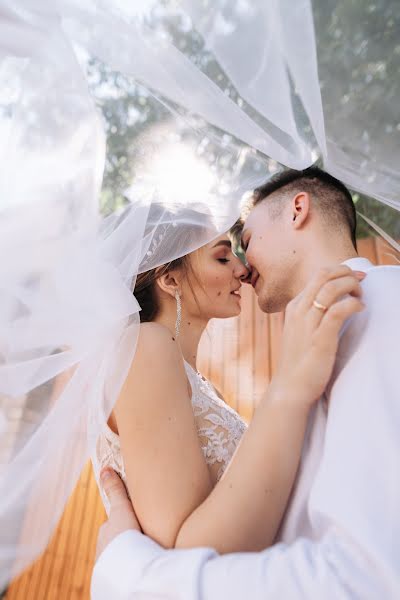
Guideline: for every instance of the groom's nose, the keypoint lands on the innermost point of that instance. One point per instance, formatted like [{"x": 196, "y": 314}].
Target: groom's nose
[{"x": 246, "y": 278}]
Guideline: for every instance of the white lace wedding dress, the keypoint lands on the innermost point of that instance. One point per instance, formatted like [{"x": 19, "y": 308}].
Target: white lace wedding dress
[{"x": 219, "y": 428}]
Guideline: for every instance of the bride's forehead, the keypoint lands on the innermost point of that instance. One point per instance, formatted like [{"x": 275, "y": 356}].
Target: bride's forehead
[{"x": 222, "y": 238}]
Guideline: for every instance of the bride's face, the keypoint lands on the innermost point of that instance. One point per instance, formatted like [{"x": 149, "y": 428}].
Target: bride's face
[{"x": 214, "y": 287}]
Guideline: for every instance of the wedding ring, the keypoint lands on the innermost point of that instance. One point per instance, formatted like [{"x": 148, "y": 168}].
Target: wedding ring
[{"x": 320, "y": 306}]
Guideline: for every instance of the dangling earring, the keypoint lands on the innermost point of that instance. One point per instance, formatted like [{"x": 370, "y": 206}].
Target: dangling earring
[{"x": 178, "y": 314}]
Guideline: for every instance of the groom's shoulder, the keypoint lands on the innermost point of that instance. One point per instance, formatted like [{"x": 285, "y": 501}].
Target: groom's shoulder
[
  {"x": 380, "y": 284},
  {"x": 384, "y": 270},
  {"x": 381, "y": 291},
  {"x": 378, "y": 324}
]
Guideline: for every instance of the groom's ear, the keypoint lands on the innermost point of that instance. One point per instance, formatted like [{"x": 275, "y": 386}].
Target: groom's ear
[{"x": 300, "y": 209}]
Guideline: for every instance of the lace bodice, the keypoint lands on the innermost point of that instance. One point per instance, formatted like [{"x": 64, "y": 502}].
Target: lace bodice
[{"x": 219, "y": 428}]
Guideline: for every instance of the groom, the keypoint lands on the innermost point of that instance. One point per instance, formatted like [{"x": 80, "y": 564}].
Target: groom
[{"x": 340, "y": 538}]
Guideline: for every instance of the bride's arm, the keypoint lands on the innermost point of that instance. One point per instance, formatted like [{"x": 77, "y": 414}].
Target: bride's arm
[
  {"x": 244, "y": 510},
  {"x": 164, "y": 464},
  {"x": 167, "y": 475}
]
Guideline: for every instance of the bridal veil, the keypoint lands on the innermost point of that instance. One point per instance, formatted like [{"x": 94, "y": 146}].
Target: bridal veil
[{"x": 209, "y": 99}]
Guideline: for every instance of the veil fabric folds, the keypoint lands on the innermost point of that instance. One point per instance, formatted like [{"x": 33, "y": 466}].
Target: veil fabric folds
[{"x": 209, "y": 100}]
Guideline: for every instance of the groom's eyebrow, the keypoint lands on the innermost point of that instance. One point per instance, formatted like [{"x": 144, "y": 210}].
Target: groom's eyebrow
[
  {"x": 242, "y": 242},
  {"x": 223, "y": 243}
]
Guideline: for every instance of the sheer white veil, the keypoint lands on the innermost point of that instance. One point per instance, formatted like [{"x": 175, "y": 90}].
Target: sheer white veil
[{"x": 217, "y": 97}]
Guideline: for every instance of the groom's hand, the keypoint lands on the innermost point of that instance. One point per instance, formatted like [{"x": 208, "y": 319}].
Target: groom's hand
[{"x": 122, "y": 516}]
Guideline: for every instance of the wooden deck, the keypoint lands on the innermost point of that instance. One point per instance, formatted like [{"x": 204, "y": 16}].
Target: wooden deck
[{"x": 239, "y": 356}]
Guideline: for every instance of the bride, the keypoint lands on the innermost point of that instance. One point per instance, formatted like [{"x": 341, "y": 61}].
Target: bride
[{"x": 171, "y": 436}]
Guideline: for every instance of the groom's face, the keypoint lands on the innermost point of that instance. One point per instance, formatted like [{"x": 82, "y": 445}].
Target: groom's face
[{"x": 268, "y": 244}]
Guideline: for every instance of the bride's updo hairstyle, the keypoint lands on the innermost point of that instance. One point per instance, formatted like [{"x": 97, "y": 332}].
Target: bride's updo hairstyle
[{"x": 145, "y": 290}]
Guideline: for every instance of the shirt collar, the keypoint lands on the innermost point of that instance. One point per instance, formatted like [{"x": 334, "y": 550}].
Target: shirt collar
[{"x": 358, "y": 264}]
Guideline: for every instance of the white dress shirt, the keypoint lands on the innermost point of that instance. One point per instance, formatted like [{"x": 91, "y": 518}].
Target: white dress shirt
[{"x": 340, "y": 538}]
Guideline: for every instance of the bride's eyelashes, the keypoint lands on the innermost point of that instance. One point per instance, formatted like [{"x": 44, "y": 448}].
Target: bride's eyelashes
[{"x": 223, "y": 260}]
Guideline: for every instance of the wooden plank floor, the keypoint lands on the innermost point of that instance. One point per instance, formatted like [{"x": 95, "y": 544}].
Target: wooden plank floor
[{"x": 239, "y": 356}]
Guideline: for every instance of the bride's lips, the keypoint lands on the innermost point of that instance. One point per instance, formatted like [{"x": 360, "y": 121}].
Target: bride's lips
[{"x": 236, "y": 293}]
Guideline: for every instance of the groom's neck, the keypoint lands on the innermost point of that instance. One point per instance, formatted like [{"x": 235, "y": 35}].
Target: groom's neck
[{"x": 322, "y": 256}]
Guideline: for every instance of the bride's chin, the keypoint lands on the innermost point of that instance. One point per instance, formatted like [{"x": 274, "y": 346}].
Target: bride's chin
[
  {"x": 233, "y": 313},
  {"x": 227, "y": 311},
  {"x": 227, "y": 314}
]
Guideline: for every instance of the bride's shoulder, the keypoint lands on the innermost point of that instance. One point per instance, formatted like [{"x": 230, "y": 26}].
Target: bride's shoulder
[
  {"x": 158, "y": 343},
  {"x": 157, "y": 366}
]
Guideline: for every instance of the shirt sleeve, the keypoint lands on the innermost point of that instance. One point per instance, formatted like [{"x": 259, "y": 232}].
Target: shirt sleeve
[
  {"x": 353, "y": 505},
  {"x": 121, "y": 571}
]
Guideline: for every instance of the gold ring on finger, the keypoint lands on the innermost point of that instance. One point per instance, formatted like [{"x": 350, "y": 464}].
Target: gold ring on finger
[{"x": 320, "y": 306}]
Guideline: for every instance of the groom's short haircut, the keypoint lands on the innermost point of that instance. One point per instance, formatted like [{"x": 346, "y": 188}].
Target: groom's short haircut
[{"x": 331, "y": 196}]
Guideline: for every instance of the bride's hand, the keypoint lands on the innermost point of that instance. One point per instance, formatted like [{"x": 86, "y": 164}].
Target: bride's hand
[{"x": 310, "y": 338}]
